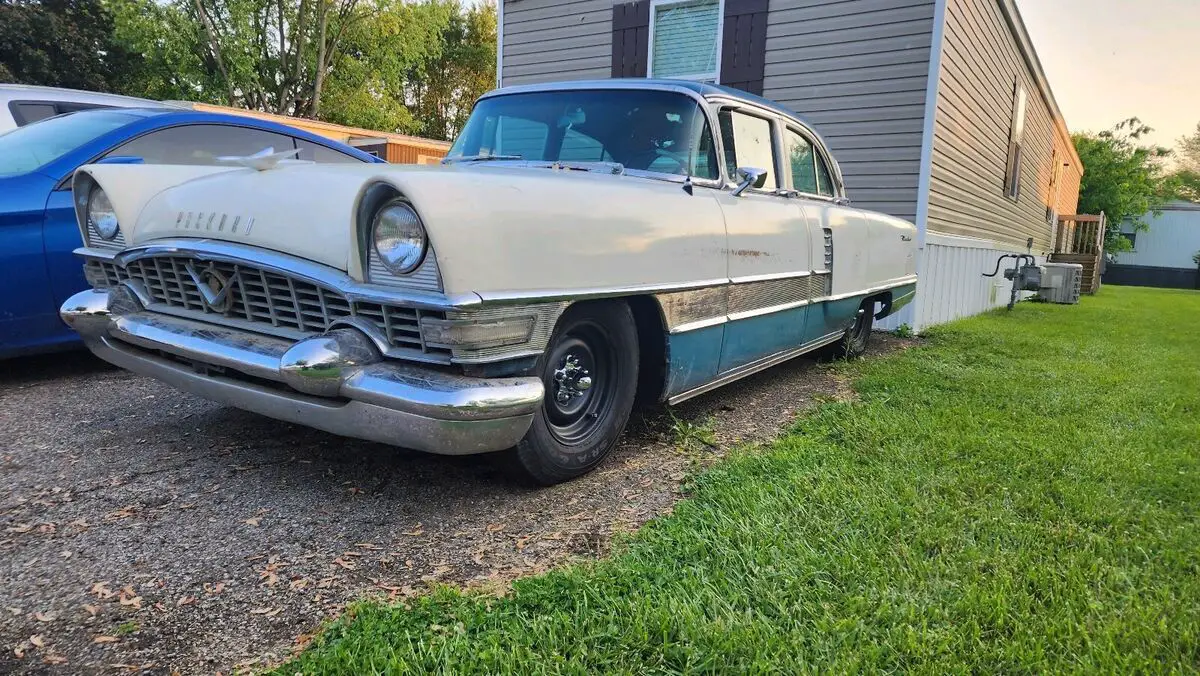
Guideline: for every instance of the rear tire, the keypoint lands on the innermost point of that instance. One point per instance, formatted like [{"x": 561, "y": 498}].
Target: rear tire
[
  {"x": 858, "y": 336},
  {"x": 590, "y": 370}
]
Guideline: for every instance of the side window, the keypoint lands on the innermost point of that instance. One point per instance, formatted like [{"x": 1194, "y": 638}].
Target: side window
[
  {"x": 521, "y": 136},
  {"x": 747, "y": 141},
  {"x": 314, "y": 152},
  {"x": 803, "y": 166},
  {"x": 579, "y": 147},
  {"x": 824, "y": 178},
  {"x": 28, "y": 113},
  {"x": 201, "y": 144},
  {"x": 1016, "y": 144}
]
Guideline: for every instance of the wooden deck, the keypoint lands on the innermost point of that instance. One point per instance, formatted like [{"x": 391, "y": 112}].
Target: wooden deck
[{"x": 1080, "y": 239}]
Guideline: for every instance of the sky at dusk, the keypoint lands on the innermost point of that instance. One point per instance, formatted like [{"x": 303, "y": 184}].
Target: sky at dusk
[{"x": 1108, "y": 60}]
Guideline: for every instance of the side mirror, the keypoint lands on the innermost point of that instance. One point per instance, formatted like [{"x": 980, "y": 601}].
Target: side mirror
[
  {"x": 121, "y": 159},
  {"x": 749, "y": 177}
]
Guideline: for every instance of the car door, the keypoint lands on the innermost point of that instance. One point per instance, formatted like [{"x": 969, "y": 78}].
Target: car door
[
  {"x": 769, "y": 250},
  {"x": 182, "y": 144},
  {"x": 837, "y": 234}
]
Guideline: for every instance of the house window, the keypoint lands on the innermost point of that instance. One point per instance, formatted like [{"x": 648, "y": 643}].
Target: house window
[
  {"x": 685, "y": 39},
  {"x": 1132, "y": 238},
  {"x": 1012, "y": 178}
]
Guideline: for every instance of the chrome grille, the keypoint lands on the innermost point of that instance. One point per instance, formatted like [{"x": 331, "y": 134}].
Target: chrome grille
[
  {"x": 426, "y": 277},
  {"x": 117, "y": 243},
  {"x": 274, "y": 302},
  {"x": 828, "y": 248}
]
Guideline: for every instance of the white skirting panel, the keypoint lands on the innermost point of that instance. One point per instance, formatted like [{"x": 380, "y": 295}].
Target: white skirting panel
[{"x": 951, "y": 282}]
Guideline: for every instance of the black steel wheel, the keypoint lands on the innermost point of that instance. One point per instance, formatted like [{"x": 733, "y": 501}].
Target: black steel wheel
[
  {"x": 590, "y": 373},
  {"x": 858, "y": 336}
]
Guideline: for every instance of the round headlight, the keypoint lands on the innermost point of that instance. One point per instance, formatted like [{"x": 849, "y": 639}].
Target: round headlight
[
  {"x": 399, "y": 237},
  {"x": 101, "y": 216}
]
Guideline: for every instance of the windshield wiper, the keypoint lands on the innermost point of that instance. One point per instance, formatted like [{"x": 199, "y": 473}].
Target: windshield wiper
[{"x": 480, "y": 158}]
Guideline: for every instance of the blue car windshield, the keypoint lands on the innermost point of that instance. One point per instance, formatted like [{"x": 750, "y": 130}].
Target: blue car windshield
[{"x": 33, "y": 146}]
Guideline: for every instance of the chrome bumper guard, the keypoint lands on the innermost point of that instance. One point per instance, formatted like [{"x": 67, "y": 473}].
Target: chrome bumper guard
[{"x": 337, "y": 382}]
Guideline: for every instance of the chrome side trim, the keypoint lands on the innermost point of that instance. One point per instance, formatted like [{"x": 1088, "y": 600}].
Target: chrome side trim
[
  {"x": 891, "y": 284},
  {"x": 754, "y": 367},
  {"x": 551, "y": 295}
]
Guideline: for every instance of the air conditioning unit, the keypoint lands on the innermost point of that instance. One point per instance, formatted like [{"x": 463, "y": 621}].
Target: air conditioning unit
[{"x": 1060, "y": 282}]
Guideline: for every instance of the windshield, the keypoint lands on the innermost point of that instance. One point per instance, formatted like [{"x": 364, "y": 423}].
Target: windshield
[
  {"x": 34, "y": 146},
  {"x": 651, "y": 130}
]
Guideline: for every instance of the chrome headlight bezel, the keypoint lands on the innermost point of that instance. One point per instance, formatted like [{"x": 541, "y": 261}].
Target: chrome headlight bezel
[
  {"x": 400, "y": 242},
  {"x": 101, "y": 216}
]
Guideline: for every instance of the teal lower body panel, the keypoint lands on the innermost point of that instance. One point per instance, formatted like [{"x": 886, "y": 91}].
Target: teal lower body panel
[
  {"x": 693, "y": 358},
  {"x": 753, "y": 338},
  {"x": 833, "y": 316}
]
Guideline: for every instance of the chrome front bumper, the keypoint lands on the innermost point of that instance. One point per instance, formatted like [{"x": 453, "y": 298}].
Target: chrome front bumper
[{"x": 337, "y": 382}]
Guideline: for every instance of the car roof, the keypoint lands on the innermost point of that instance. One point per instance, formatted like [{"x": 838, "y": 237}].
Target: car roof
[
  {"x": 703, "y": 89},
  {"x": 9, "y": 92}
]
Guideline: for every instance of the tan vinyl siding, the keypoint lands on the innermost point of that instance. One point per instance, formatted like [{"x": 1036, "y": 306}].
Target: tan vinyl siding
[
  {"x": 858, "y": 72},
  {"x": 553, "y": 40},
  {"x": 981, "y": 61}
]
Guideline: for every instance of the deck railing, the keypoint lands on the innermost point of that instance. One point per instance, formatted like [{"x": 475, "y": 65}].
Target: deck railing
[{"x": 1080, "y": 234}]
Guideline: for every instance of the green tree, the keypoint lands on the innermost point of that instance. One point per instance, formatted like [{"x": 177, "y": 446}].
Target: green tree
[
  {"x": 1185, "y": 180},
  {"x": 1122, "y": 177},
  {"x": 61, "y": 43}
]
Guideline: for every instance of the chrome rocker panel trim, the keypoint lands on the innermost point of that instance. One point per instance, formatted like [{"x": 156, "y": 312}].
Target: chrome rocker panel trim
[{"x": 336, "y": 382}]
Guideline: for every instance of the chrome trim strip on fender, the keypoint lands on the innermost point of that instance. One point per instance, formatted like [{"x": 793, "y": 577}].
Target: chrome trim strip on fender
[{"x": 754, "y": 367}]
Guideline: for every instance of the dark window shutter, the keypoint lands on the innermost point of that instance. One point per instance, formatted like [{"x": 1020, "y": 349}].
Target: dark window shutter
[
  {"x": 630, "y": 38},
  {"x": 744, "y": 45}
]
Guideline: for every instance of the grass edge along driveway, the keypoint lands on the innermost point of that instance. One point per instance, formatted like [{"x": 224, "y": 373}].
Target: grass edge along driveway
[{"x": 1019, "y": 493}]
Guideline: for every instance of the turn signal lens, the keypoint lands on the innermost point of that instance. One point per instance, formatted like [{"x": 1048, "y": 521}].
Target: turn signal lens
[{"x": 476, "y": 334}]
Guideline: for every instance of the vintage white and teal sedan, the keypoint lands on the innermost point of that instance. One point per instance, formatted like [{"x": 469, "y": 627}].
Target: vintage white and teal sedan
[{"x": 584, "y": 246}]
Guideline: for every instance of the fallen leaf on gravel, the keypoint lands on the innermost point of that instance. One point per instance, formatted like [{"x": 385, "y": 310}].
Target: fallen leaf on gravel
[
  {"x": 101, "y": 590},
  {"x": 66, "y": 554},
  {"x": 14, "y": 611},
  {"x": 269, "y": 612},
  {"x": 189, "y": 505},
  {"x": 47, "y": 528},
  {"x": 416, "y": 531},
  {"x": 160, "y": 607},
  {"x": 495, "y": 527},
  {"x": 134, "y": 602},
  {"x": 54, "y": 659},
  {"x": 374, "y": 547},
  {"x": 521, "y": 542},
  {"x": 298, "y": 584},
  {"x": 348, "y": 565},
  {"x": 214, "y": 588},
  {"x": 352, "y": 554},
  {"x": 92, "y": 610},
  {"x": 44, "y": 617},
  {"x": 20, "y": 528},
  {"x": 37, "y": 640},
  {"x": 438, "y": 571},
  {"x": 105, "y": 639},
  {"x": 254, "y": 521},
  {"x": 122, "y": 513},
  {"x": 19, "y": 651},
  {"x": 185, "y": 600}
]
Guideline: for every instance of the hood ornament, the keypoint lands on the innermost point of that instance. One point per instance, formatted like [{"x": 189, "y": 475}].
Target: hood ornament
[{"x": 264, "y": 159}]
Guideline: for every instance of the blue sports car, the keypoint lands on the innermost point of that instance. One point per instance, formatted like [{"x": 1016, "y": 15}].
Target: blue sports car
[{"x": 38, "y": 231}]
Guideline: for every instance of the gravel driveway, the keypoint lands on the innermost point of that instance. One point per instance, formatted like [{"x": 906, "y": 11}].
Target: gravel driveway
[{"x": 143, "y": 529}]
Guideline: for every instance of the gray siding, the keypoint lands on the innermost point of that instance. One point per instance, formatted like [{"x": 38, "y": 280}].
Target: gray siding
[
  {"x": 858, "y": 70},
  {"x": 550, "y": 40},
  {"x": 981, "y": 60}
]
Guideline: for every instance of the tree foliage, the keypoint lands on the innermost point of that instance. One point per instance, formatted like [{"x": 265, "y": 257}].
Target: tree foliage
[
  {"x": 1185, "y": 180},
  {"x": 62, "y": 43},
  {"x": 1122, "y": 177},
  {"x": 393, "y": 65}
]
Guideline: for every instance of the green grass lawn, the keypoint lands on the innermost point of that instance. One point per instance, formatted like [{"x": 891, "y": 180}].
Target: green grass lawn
[{"x": 1020, "y": 493}]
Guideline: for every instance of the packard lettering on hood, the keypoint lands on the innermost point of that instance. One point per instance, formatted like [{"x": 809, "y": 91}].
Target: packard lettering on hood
[
  {"x": 214, "y": 222},
  {"x": 516, "y": 298}
]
